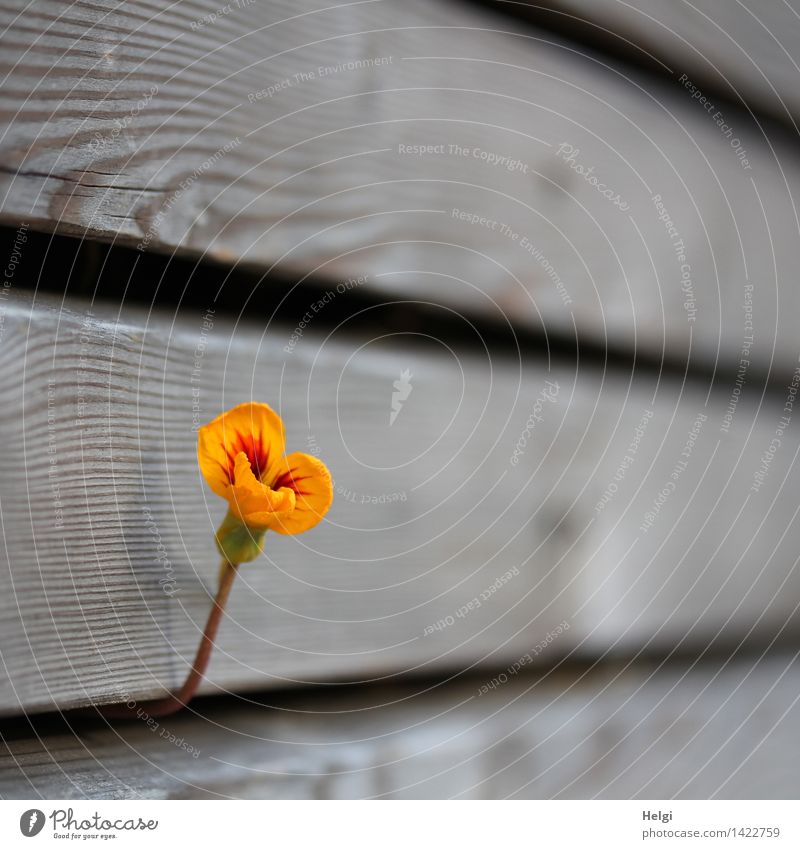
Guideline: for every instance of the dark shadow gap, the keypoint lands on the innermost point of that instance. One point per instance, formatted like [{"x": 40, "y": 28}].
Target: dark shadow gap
[
  {"x": 323, "y": 697},
  {"x": 117, "y": 275},
  {"x": 650, "y": 62}
]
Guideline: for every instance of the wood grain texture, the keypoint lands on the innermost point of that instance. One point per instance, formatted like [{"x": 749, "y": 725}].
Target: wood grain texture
[
  {"x": 699, "y": 731},
  {"x": 284, "y": 134},
  {"x": 546, "y": 494},
  {"x": 749, "y": 51}
]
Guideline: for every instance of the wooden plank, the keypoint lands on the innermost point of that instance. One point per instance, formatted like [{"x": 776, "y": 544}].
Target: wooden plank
[
  {"x": 683, "y": 731},
  {"x": 546, "y": 494},
  {"x": 746, "y": 51},
  {"x": 430, "y": 146}
]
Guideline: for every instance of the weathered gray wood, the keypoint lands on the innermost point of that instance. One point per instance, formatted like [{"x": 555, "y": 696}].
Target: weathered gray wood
[
  {"x": 696, "y": 731},
  {"x": 227, "y": 159},
  {"x": 99, "y": 453},
  {"x": 749, "y": 50}
]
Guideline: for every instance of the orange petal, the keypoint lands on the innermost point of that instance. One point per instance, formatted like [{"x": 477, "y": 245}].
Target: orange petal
[
  {"x": 256, "y": 504},
  {"x": 311, "y": 482},
  {"x": 251, "y": 428}
]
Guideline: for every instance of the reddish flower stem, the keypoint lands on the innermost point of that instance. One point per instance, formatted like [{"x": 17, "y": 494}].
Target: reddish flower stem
[{"x": 180, "y": 698}]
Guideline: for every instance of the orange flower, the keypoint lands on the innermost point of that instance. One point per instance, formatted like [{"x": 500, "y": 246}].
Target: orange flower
[{"x": 241, "y": 456}]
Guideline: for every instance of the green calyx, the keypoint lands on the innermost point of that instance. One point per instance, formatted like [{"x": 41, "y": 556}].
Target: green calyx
[{"x": 237, "y": 542}]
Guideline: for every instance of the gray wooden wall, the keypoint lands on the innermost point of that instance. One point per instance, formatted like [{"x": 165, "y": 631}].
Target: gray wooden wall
[{"x": 530, "y": 509}]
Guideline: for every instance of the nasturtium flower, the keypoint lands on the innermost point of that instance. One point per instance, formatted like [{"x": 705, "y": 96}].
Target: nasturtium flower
[{"x": 241, "y": 456}]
